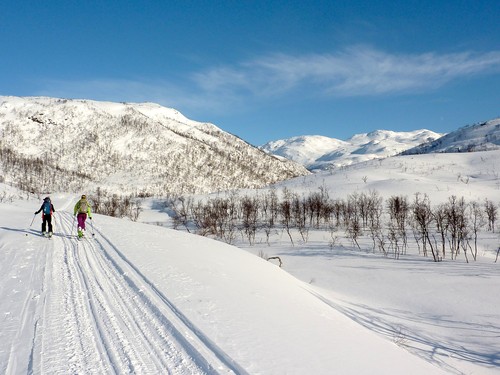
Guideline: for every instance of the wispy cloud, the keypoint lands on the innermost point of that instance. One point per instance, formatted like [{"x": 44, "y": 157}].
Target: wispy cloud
[
  {"x": 358, "y": 71},
  {"x": 353, "y": 72}
]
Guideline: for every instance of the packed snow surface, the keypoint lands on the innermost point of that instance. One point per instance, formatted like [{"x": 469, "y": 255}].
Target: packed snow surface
[{"x": 142, "y": 299}]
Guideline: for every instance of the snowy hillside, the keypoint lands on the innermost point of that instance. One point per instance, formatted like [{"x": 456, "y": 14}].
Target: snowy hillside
[
  {"x": 441, "y": 312},
  {"x": 320, "y": 153},
  {"x": 52, "y": 144},
  {"x": 478, "y": 137},
  {"x": 140, "y": 299}
]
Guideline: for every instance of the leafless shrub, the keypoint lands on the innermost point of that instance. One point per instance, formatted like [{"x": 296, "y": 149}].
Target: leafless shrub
[
  {"x": 399, "y": 209},
  {"x": 249, "y": 208},
  {"x": 181, "y": 207},
  {"x": 446, "y": 229},
  {"x": 285, "y": 209},
  {"x": 422, "y": 219},
  {"x": 476, "y": 222},
  {"x": 353, "y": 231},
  {"x": 457, "y": 224},
  {"x": 492, "y": 214},
  {"x": 115, "y": 205}
]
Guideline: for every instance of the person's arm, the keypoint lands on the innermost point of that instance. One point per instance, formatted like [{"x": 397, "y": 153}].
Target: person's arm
[
  {"x": 41, "y": 208},
  {"x": 53, "y": 209}
]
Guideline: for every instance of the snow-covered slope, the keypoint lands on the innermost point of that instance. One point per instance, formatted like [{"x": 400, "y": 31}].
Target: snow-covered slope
[
  {"x": 52, "y": 144},
  {"x": 478, "y": 137},
  {"x": 146, "y": 299},
  {"x": 319, "y": 152},
  {"x": 305, "y": 150},
  {"x": 474, "y": 176},
  {"x": 140, "y": 299}
]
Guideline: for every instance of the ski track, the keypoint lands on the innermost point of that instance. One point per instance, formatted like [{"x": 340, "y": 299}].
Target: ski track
[
  {"x": 98, "y": 314},
  {"x": 20, "y": 326}
]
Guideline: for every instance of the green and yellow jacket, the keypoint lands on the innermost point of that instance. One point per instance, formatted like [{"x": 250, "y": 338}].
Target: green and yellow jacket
[{"x": 82, "y": 207}]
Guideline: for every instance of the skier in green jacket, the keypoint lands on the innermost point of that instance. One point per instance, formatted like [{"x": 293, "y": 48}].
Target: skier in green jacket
[{"x": 82, "y": 209}]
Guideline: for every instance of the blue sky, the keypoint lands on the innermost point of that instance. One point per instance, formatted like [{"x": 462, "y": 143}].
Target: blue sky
[{"x": 265, "y": 70}]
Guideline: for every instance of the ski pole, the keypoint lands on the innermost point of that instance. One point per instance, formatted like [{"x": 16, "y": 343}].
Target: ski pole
[
  {"x": 32, "y": 220},
  {"x": 92, "y": 225}
]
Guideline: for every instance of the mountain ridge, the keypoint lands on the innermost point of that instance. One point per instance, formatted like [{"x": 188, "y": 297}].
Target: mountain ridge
[
  {"x": 133, "y": 148},
  {"x": 482, "y": 136},
  {"x": 322, "y": 153}
]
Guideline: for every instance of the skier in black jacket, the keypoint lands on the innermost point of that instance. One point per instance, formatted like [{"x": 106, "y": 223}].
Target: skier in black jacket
[{"x": 47, "y": 209}]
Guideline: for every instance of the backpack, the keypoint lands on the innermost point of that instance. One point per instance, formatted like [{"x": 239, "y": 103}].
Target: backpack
[
  {"x": 47, "y": 207},
  {"x": 82, "y": 209}
]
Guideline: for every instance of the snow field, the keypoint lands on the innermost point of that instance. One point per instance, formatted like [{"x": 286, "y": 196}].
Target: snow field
[{"x": 141, "y": 299}]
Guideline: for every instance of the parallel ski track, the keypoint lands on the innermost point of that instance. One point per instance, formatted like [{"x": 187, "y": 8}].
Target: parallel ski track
[{"x": 100, "y": 315}]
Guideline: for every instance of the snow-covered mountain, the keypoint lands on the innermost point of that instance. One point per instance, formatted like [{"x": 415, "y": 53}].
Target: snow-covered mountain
[
  {"x": 319, "y": 153},
  {"x": 484, "y": 136},
  {"x": 50, "y": 144}
]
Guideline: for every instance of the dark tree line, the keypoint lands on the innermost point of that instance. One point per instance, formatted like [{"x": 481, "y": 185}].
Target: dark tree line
[
  {"x": 115, "y": 205},
  {"x": 446, "y": 230},
  {"x": 38, "y": 174}
]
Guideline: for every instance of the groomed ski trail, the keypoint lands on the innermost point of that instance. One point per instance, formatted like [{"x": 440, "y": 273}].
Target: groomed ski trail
[{"x": 98, "y": 314}]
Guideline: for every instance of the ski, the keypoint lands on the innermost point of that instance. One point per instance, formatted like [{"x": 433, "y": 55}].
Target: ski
[
  {"x": 83, "y": 238},
  {"x": 81, "y": 235}
]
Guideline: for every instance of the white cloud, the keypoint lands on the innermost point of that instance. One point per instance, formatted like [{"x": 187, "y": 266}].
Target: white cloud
[
  {"x": 358, "y": 71},
  {"x": 353, "y": 72}
]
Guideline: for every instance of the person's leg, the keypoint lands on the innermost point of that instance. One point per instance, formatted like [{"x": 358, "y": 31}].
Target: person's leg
[
  {"x": 44, "y": 223},
  {"x": 49, "y": 222},
  {"x": 81, "y": 224},
  {"x": 81, "y": 221},
  {"x": 83, "y": 218}
]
